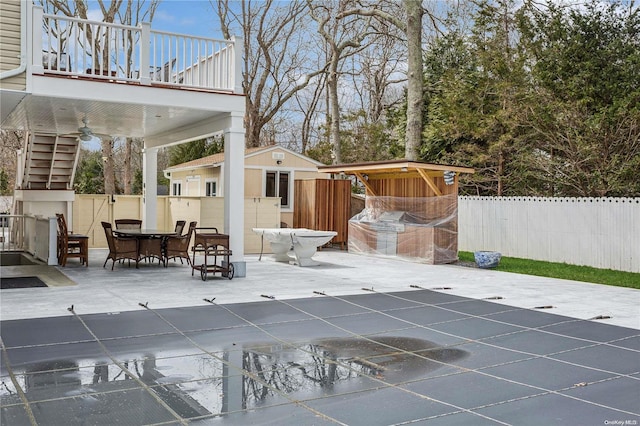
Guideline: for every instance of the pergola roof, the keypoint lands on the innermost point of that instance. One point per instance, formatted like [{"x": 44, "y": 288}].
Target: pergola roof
[
  {"x": 398, "y": 169},
  {"x": 395, "y": 169}
]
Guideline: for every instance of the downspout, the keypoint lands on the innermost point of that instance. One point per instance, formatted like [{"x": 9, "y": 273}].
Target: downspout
[{"x": 23, "y": 45}]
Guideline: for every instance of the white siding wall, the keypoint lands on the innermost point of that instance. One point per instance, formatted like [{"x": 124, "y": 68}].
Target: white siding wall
[
  {"x": 10, "y": 37},
  {"x": 598, "y": 232}
]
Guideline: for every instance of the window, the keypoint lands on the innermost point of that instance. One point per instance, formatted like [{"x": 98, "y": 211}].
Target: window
[
  {"x": 176, "y": 188},
  {"x": 211, "y": 188},
  {"x": 277, "y": 185}
]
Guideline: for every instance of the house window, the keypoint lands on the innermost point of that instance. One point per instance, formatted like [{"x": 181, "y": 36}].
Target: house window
[
  {"x": 277, "y": 185},
  {"x": 176, "y": 188},
  {"x": 211, "y": 188}
]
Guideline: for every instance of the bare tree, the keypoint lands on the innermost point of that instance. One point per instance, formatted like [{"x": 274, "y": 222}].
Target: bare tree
[
  {"x": 128, "y": 174},
  {"x": 276, "y": 63},
  {"x": 378, "y": 71},
  {"x": 410, "y": 22},
  {"x": 308, "y": 102},
  {"x": 343, "y": 34}
]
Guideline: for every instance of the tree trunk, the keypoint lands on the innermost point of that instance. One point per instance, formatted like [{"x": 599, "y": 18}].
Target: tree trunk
[
  {"x": 109, "y": 173},
  {"x": 336, "y": 157},
  {"x": 128, "y": 172},
  {"x": 414, "y": 78},
  {"x": 252, "y": 128}
]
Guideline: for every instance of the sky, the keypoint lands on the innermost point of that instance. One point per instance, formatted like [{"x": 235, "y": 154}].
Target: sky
[{"x": 193, "y": 17}]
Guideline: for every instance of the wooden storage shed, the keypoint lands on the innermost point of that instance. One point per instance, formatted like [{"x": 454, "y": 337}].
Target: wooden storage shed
[{"x": 410, "y": 210}]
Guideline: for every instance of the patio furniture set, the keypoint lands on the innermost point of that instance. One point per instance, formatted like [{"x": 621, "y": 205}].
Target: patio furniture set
[{"x": 129, "y": 241}]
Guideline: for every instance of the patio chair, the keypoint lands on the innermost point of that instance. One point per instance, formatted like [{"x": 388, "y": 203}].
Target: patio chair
[
  {"x": 179, "y": 227},
  {"x": 120, "y": 248},
  {"x": 151, "y": 248},
  {"x": 178, "y": 246},
  {"x": 71, "y": 245},
  {"x": 128, "y": 224}
]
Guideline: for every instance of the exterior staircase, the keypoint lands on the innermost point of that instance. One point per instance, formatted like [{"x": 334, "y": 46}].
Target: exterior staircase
[{"x": 50, "y": 161}]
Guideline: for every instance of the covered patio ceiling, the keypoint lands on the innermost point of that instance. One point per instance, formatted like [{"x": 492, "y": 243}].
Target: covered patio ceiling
[{"x": 162, "y": 117}]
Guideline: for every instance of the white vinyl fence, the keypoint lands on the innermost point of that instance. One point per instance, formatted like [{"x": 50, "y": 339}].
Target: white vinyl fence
[{"x": 598, "y": 232}]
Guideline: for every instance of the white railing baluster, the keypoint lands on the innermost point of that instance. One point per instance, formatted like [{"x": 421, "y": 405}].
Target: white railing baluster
[
  {"x": 47, "y": 65},
  {"x": 173, "y": 73},
  {"x": 183, "y": 66}
]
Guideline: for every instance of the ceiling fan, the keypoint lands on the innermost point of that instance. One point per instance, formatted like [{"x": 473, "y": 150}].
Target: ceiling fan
[{"x": 86, "y": 134}]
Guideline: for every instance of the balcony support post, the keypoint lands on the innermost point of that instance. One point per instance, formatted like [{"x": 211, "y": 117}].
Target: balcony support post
[{"x": 234, "y": 191}]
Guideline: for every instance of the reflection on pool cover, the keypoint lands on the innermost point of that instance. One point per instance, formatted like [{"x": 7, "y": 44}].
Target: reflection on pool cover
[
  {"x": 204, "y": 385},
  {"x": 395, "y": 358},
  {"x": 326, "y": 364}
]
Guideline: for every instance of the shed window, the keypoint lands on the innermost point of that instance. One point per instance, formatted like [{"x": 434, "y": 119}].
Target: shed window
[
  {"x": 211, "y": 188},
  {"x": 176, "y": 188},
  {"x": 277, "y": 185}
]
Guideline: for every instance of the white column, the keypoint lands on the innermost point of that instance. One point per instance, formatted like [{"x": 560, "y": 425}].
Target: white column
[
  {"x": 150, "y": 188},
  {"x": 52, "y": 256},
  {"x": 234, "y": 192}
]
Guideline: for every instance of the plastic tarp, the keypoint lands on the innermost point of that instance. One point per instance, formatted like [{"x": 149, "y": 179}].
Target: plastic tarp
[{"x": 416, "y": 229}]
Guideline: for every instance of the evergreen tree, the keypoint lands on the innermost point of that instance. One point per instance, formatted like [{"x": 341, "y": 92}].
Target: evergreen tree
[
  {"x": 89, "y": 177},
  {"x": 196, "y": 149}
]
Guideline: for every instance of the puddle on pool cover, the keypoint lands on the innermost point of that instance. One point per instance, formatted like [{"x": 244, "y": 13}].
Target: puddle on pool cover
[{"x": 201, "y": 385}]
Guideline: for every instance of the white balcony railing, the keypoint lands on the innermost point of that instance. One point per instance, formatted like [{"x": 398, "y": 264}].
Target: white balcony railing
[{"x": 113, "y": 52}]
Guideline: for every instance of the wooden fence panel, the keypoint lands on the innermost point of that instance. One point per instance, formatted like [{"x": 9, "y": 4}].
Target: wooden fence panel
[
  {"x": 323, "y": 204},
  {"x": 598, "y": 232},
  {"x": 90, "y": 210}
]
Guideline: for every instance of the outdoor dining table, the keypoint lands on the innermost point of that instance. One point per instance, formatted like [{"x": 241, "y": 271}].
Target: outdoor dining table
[{"x": 144, "y": 233}]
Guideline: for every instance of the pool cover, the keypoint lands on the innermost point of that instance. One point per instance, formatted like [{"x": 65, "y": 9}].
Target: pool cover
[{"x": 414, "y": 357}]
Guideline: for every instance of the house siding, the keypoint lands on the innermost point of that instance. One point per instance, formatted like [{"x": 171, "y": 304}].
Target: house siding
[
  {"x": 196, "y": 189},
  {"x": 265, "y": 159},
  {"x": 256, "y": 166},
  {"x": 253, "y": 183},
  {"x": 10, "y": 36}
]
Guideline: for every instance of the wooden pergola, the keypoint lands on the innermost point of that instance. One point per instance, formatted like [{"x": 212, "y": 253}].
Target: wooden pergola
[
  {"x": 420, "y": 203},
  {"x": 401, "y": 178}
]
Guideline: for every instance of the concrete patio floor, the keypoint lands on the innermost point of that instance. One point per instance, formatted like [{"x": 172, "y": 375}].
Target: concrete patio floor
[{"x": 97, "y": 289}]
